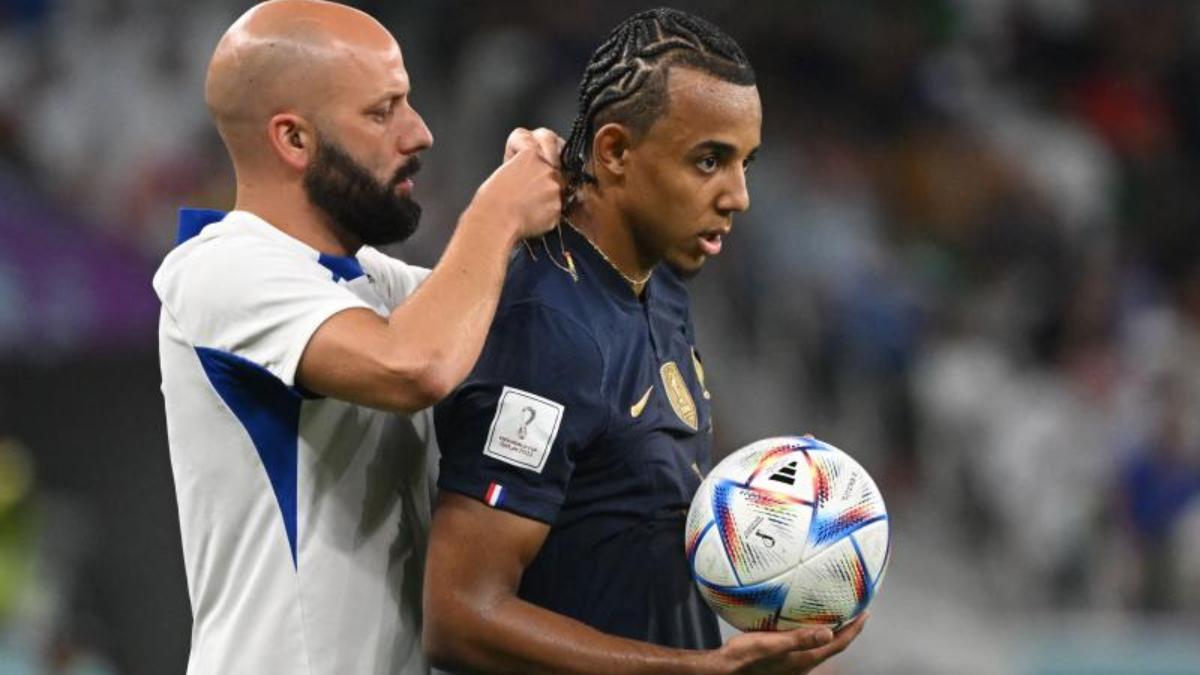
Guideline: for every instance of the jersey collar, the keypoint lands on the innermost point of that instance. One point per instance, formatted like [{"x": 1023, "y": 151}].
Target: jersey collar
[
  {"x": 193, "y": 221},
  {"x": 595, "y": 266}
]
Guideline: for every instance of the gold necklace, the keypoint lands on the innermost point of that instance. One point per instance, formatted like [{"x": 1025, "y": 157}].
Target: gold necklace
[
  {"x": 637, "y": 284},
  {"x": 570, "y": 266}
]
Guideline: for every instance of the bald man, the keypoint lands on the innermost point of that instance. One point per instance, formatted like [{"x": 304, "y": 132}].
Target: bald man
[{"x": 298, "y": 361}]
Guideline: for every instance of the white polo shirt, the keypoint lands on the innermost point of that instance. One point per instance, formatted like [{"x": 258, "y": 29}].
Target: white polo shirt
[{"x": 304, "y": 519}]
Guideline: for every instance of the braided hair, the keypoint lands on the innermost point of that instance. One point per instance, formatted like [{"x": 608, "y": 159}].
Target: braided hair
[{"x": 625, "y": 82}]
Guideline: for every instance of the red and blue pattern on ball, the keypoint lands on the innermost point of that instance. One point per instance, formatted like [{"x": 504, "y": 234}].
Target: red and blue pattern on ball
[
  {"x": 767, "y": 596},
  {"x": 828, "y": 527},
  {"x": 825, "y": 528}
]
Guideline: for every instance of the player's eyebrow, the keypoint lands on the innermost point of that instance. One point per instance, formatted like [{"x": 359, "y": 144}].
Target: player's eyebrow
[
  {"x": 721, "y": 149},
  {"x": 718, "y": 148},
  {"x": 395, "y": 95}
]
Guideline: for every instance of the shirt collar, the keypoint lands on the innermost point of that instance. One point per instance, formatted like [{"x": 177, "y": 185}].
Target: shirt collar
[
  {"x": 193, "y": 221},
  {"x": 593, "y": 264}
]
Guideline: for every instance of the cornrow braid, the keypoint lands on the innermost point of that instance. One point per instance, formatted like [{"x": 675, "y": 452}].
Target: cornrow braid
[{"x": 625, "y": 81}]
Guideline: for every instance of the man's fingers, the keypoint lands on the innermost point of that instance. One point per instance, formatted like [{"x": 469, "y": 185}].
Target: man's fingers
[
  {"x": 841, "y": 639},
  {"x": 784, "y": 642},
  {"x": 519, "y": 139},
  {"x": 811, "y": 638},
  {"x": 549, "y": 144}
]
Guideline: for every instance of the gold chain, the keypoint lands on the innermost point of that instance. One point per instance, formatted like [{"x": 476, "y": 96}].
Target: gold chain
[
  {"x": 570, "y": 267},
  {"x": 637, "y": 284}
]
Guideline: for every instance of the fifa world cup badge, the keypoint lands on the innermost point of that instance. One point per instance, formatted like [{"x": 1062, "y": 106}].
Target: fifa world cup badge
[{"x": 677, "y": 392}]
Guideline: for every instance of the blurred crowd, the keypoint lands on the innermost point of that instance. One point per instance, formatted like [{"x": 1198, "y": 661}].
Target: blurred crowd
[{"x": 972, "y": 259}]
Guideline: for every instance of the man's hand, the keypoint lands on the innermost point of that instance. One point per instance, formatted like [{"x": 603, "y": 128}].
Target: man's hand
[
  {"x": 430, "y": 342},
  {"x": 793, "y": 652},
  {"x": 548, "y": 144},
  {"x": 524, "y": 192}
]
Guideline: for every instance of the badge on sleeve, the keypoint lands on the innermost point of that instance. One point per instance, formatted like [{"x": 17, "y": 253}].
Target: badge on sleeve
[{"x": 523, "y": 429}]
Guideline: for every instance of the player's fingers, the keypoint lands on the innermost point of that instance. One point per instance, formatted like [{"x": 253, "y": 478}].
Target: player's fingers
[
  {"x": 518, "y": 139},
  {"x": 560, "y": 179},
  {"x": 771, "y": 645},
  {"x": 810, "y": 638},
  {"x": 841, "y": 639},
  {"x": 549, "y": 144},
  {"x": 551, "y": 170}
]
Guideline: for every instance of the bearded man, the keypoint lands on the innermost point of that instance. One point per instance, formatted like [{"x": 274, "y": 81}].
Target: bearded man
[{"x": 298, "y": 362}]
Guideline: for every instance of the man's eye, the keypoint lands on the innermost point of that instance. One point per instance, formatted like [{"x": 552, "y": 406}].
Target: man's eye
[
  {"x": 746, "y": 164},
  {"x": 708, "y": 164}
]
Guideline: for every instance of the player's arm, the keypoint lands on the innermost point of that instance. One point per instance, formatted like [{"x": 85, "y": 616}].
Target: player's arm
[
  {"x": 474, "y": 620},
  {"x": 415, "y": 356}
]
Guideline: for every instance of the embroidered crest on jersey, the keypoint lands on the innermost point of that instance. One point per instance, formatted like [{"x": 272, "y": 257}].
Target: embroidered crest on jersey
[
  {"x": 677, "y": 392},
  {"x": 523, "y": 429}
]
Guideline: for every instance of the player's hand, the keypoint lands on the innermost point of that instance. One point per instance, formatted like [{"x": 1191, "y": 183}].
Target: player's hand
[
  {"x": 525, "y": 191},
  {"x": 793, "y": 652},
  {"x": 548, "y": 144}
]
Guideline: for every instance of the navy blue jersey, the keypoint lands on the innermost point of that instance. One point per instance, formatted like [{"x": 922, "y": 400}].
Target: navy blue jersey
[{"x": 588, "y": 411}]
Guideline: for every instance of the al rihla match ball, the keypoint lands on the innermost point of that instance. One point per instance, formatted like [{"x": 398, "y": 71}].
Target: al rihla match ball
[{"x": 788, "y": 532}]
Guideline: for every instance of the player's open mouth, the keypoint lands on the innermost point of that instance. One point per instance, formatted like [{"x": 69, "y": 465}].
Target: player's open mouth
[
  {"x": 710, "y": 243},
  {"x": 405, "y": 186}
]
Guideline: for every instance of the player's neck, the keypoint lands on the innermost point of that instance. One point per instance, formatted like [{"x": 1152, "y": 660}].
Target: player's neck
[
  {"x": 605, "y": 226},
  {"x": 288, "y": 209}
]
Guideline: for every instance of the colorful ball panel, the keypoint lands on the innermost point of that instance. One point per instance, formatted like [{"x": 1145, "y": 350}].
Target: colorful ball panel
[
  {"x": 758, "y": 529},
  {"x": 829, "y": 589},
  {"x": 709, "y": 561},
  {"x": 788, "y": 531}
]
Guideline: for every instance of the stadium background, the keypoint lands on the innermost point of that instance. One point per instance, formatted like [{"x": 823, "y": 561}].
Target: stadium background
[{"x": 973, "y": 260}]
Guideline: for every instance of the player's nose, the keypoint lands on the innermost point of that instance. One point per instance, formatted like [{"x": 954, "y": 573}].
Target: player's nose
[
  {"x": 736, "y": 196},
  {"x": 416, "y": 135}
]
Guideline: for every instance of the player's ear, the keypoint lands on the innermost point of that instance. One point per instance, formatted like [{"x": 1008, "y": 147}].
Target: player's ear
[
  {"x": 292, "y": 139},
  {"x": 610, "y": 148}
]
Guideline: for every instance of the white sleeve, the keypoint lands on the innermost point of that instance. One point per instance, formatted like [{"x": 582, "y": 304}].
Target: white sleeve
[
  {"x": 399, "y": 278},
  {"x": 246, "y": 297}
]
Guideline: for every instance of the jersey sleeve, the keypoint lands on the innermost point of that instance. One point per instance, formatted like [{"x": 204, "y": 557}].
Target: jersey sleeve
[
  {"x": 247, "y": 298},
  {"x": 399, "y": 278},
  {"x": 511, "y": 434}
]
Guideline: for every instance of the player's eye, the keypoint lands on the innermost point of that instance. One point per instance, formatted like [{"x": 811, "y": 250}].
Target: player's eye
[
  {"x": 708, "y": 164},
  {"x": 749, "y": 160},
  {"x": 382, "y": 113}
]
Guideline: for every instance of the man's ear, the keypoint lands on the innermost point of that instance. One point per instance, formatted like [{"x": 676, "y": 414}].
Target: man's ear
[
  {"x": 610, "y": 149},
  {"x": 292, "y": 140}
]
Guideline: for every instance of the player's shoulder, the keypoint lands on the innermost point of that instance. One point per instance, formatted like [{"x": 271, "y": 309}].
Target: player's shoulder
[
  {"x": 535, "y": 285},
  {"x": 232, "y": 256}
]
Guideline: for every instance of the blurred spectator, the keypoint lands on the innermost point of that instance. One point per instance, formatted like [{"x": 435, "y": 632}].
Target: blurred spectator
[
  {"x": 38, "y": 574},
  {"x": 1160, "y": 481}
]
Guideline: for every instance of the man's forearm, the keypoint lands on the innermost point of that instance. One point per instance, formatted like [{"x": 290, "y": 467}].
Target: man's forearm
[
  {"x": 514, "y": 636},
  {"x": 445, "y": 322}
]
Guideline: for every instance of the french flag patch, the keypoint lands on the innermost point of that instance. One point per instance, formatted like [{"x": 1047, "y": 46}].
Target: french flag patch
[{"x": 494, "y": 495}]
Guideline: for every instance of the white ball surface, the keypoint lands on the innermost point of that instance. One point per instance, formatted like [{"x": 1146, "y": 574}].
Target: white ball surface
[{"x": 788, "y": 532}]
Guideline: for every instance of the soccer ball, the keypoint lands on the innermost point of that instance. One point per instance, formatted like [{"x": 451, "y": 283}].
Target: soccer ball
[{"x": 788, "y": 532}]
